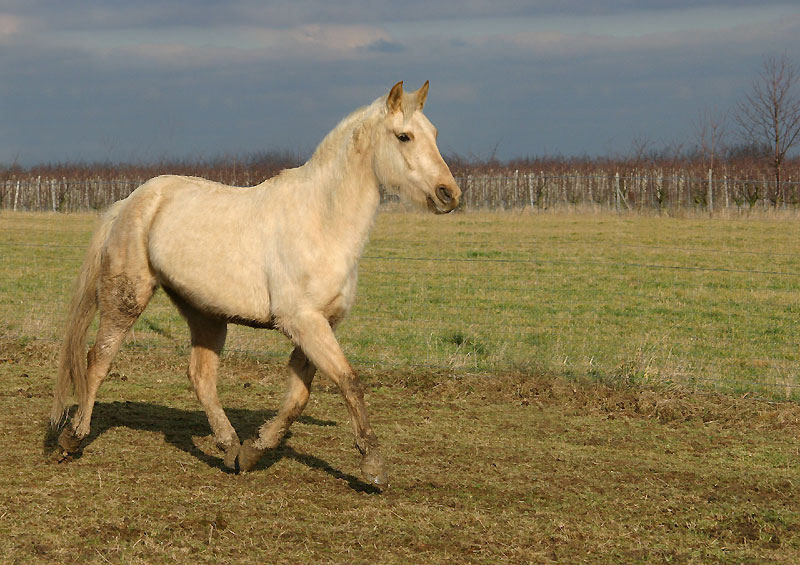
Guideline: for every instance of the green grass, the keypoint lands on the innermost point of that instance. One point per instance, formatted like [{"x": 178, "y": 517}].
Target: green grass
[
  {"x": 708, "y": 303},
  {"x": 671, "y": 300},
  {"x": 542, "y": 387}
]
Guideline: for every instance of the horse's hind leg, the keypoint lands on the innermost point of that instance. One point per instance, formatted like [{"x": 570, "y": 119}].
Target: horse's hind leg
[
  {"x": 208, "y": 338},
  {"x": 121, "y": 302},
  {"x": 301, "y": 373}
]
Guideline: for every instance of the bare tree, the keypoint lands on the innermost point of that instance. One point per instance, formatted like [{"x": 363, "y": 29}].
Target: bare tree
[
  {"x": 770, "y": 113},
  {"x": 710, "y": 130},
  {"x": 641, "y": 149}
]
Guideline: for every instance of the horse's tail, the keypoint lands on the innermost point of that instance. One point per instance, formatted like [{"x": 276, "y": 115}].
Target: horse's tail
[{"x": 72, "y": 362}]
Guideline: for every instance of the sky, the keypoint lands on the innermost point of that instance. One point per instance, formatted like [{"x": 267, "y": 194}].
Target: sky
[{"x": 145, "y": 81}]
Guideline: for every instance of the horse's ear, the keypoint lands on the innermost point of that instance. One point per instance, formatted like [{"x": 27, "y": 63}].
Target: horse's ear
[
  {"x": 395, "y": 100},
  {"x": 422, "y": 94}
]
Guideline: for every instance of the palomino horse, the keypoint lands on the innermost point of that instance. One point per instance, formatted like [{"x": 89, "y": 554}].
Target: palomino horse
[{"x": 281, "y": 255}]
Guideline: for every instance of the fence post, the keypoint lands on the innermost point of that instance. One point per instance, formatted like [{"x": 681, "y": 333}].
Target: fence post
[
  {"x": 725, "y": 186},
  {"x": 616, "y": 192},
  {"x": 710, "y": 195},
  {"x": 516, "y": 189},
  {"x": 620, "y": 198},
  {"x": 586, "y": 197},
  {"x": 530, "y": 187}
]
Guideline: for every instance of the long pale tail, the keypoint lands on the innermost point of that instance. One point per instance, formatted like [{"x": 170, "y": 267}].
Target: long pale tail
[{"x": 83, "y": 306}]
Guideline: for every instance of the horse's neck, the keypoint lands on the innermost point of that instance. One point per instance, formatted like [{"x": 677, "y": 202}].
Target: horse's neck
[
  {"x": 349, "y": 199},
  {"x": 340, "y": 191}
]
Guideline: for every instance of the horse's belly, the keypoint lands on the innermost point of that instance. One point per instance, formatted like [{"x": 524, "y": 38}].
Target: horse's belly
[{"x": 219, "y": 293}]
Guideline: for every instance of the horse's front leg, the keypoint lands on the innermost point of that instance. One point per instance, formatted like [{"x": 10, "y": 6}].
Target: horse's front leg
[
  {"x": 301, "y": 373},
  {"x": 313, "y": 334}
]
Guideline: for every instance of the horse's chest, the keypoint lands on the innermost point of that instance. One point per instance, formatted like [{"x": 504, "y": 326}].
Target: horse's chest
[{"x": 337, "y": 297}]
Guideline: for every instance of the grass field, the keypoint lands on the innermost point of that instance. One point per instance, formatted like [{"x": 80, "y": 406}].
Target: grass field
[{"x": 547, "y": 388}]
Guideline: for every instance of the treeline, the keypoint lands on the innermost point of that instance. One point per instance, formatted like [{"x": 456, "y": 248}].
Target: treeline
[
  {"x": 751, "y": 162},
  {"x": 242, "y": 171},
  {"x": 742, "y": 161}
]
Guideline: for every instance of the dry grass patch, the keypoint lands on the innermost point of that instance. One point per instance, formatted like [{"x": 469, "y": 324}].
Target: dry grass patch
[{"x": 511, "y": 468}]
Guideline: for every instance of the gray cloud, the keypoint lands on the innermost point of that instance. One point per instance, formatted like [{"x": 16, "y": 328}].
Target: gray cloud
[
  {"x": 118, "y": 80},
  {"x": 384, "y": 46}
]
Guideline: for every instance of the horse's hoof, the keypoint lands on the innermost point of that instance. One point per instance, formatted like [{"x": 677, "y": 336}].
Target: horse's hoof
[
  {"x": 373, "y": 467},
  {"x": 68, "y": 441},
  {"x": 231, "y": 453},
  {"x": 248, "y": 456}
]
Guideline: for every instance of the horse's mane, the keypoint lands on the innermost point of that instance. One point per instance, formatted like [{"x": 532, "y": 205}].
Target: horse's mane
[{"x": 339, "y": 136}]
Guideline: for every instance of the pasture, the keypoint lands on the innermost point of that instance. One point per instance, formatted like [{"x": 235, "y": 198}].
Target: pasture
[{"x": 546, "y": 388}]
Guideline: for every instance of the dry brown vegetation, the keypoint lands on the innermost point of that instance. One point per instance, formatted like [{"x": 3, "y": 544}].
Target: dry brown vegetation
[{"x": 666, "y": 180}]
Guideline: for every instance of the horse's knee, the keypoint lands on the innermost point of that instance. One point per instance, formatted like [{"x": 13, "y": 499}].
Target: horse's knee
[
  {"x": 297, "y": 403},
  {"x": 351, "y": 388}
]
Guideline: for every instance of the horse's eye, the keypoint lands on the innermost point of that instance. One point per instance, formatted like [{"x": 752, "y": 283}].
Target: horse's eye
[{"x": 403, "y": 137}]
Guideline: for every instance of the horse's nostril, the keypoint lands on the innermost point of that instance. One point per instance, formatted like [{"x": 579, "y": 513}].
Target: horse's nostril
[{"x": 444, "y": 194}]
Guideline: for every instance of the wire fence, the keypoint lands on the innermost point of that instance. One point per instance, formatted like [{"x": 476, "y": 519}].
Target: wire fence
[
  {"x": 659, "y": 190},
  {"x": 43, "y": 194},
  {"x": 647, "y": 190}
]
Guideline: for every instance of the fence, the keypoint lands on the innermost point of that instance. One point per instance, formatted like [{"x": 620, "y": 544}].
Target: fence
[
  {"x": 659, "y": 190},
  {"x": 63, "y": 194}
]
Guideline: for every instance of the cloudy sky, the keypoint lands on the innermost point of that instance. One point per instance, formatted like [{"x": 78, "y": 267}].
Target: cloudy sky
[{"x": 148, "y": 80}]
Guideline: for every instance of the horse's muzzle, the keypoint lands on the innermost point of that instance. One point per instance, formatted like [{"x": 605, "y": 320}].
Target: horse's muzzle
[{"x": 446, "y": 199}]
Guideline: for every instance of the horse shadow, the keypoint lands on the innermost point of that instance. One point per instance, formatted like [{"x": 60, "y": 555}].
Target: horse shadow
[{"x": 179, "y": 428}]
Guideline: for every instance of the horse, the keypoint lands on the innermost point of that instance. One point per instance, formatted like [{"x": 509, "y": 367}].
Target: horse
[{"x": 281, "y": 255}]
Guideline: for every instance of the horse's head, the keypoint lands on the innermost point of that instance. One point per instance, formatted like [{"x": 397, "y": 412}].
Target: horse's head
[{"x": 406, "y": 158}]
